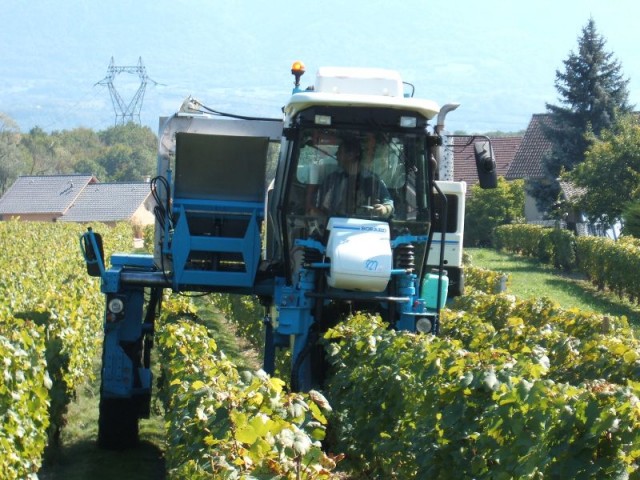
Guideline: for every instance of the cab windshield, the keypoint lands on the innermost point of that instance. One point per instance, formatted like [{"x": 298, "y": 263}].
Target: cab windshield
[{"x": 360, "y": 173}]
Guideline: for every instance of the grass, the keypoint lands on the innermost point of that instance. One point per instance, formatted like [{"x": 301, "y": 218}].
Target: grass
[
  {"x": 79, "y": 458},
  {"x": 236, "y": 348},
  {"x": 530, "y": 278}
]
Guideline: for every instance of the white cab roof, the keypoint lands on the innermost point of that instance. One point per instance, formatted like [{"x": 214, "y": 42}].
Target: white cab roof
[{"x": 359, "y": 87}]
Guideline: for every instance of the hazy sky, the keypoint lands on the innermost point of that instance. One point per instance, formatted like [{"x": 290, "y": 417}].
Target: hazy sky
[{"x": 497, "y": 58}]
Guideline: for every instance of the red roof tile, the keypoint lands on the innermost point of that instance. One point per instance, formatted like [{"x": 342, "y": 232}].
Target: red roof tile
[
  {"x": 527, "y": 162},
  {"x": 504, "y": 150}
]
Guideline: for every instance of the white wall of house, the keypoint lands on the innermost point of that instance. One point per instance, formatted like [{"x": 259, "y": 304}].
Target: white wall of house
[
  {"x": 531, "y": 212},
  {"x": 31, "y": 217},
  {"x": 143, "y": 216}
]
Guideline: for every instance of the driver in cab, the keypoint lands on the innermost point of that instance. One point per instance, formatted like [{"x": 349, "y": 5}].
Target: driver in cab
[{"x": 353, "y": 189}]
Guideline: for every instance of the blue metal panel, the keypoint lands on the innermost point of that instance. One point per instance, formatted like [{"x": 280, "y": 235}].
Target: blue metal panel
[
  {"x": 111, "y": 280},
  {"x": 213, "y": 279},
  {"x": 216, "y": 206},
  {"x": 130, "y": 329},
  {"x": 139, "y": 260},
  {"x": 184, "y": 243},
  {"x": 117, "y": 368},
  {"x": 119, "y": 262},
  {"x": 146, "y": 379}
]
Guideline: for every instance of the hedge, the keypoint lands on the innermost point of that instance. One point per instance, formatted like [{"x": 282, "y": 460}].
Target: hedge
[
  {"x": 606, "y": 263},
  {"x": 550, "y": 245}
]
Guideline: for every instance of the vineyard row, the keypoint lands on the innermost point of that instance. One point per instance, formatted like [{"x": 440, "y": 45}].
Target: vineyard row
[{"x": 50, "y": 324}]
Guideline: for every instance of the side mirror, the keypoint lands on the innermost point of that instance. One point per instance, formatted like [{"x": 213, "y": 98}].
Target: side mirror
[
  {"x": 485, "y": 164},
  {"x": 93, "y": 258}
]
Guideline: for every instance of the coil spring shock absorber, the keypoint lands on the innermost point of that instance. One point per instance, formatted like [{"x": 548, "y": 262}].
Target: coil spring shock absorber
[{"x": 405, "y": 257}]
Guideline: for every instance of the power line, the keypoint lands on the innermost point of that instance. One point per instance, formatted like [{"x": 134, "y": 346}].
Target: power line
[{"x": 126, "y": 112}]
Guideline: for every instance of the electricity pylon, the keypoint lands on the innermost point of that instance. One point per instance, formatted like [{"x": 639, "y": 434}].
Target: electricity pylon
[{"x": 126, "y": 112}]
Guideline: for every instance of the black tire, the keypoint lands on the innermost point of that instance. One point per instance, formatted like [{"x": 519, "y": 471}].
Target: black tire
[{"x": 118, "y": 424}]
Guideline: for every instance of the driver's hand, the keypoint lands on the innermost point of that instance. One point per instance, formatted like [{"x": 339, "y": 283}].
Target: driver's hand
[{"x": 381, "y": 210}]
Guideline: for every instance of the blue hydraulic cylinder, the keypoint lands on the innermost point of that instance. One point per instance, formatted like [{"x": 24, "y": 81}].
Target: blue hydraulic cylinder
[
  {"x": 291, "y": 323},
  {"x": 407, "y": 288}
]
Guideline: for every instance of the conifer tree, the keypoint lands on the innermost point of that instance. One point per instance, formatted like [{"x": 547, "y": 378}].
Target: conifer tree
[{"x": 592, "y": 93}]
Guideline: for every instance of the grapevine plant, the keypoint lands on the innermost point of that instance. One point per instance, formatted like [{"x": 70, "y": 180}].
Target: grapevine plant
[
  {"x": 229, "y": 424},
  {"x": 509, "y": 390},
  {"x": 24, "y": 398}
]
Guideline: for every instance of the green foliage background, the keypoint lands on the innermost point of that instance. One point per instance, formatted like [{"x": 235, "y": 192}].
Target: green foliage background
[
  {"x": 631, "y": 217},
  {"x": 610, "y": 173},
  {"x": 487, "y": 209},
  {"x": 605, "y": 262}
]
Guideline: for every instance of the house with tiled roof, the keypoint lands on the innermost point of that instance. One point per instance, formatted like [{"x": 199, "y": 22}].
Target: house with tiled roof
[
  {"x": 77, "y": 198},
  {"x": 528, "y": 165},
  {"x": 43, "y": 198},
  {"x": 528, "y": 161},
  {"x": 113, "y": 202},
  {"x": 504, "y": 150}
]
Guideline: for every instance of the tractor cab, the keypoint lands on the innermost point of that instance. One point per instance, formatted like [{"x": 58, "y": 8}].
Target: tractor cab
[
  {"x": 362, "y": 167},
  {"x": 349, "y": 212},
  {"x": 353, "y": 183}
]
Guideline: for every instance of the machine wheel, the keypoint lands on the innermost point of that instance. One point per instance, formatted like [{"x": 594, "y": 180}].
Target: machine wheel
[{"x": 118, "y": 424}]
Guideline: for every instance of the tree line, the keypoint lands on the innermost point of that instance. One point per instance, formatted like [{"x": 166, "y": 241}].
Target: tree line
[{"x": 117, "y": 154}]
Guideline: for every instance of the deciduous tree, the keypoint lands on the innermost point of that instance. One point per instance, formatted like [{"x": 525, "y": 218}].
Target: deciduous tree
[
  {"x": 11, "y": 159},
  {"x": 610, "y": 172},
  {"x": 39, "y": 149},
  {"x": 488, "y": 208},
  {"x": 631, "y": 217},
  {"x": 130, "y": 154}
]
